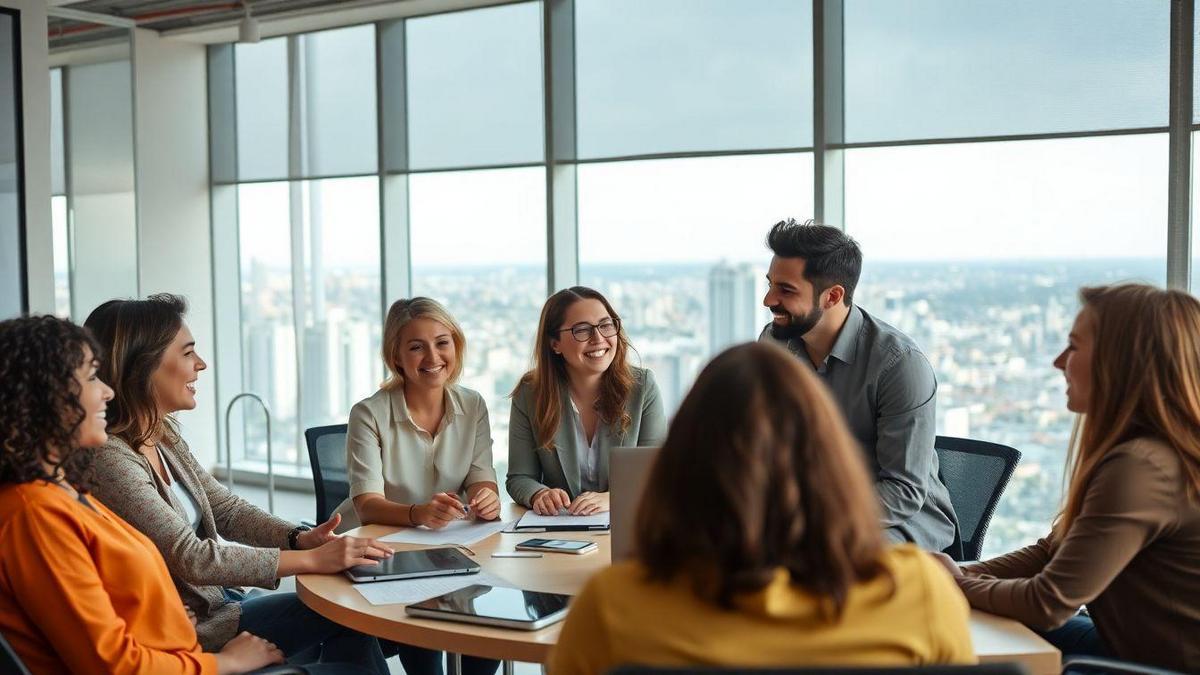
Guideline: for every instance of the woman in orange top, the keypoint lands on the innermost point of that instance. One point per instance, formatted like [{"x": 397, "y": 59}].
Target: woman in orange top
[{"x": 80, "y": 590}]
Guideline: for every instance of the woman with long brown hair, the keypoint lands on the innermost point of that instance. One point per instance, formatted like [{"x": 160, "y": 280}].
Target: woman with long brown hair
[
  {"x": 581, "y": 399},
  {"x": 148, "y": 475},
  {"x": 1127, "y": 541},
  {"x": 758, "y": 544}
]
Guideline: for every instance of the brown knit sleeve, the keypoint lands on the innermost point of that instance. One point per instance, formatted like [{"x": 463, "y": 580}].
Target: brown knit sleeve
[
  {"x": 125, "y": 485},
  {"x": 1128, "y": 503},
  {"x": 1023, "y": 562}
]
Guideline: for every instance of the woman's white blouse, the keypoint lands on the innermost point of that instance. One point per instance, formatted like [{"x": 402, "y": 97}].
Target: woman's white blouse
[{"x": 388, "y": 453}]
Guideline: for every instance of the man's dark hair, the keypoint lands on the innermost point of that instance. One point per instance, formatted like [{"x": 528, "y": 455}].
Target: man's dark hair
[{"x": 830, "y": 256}]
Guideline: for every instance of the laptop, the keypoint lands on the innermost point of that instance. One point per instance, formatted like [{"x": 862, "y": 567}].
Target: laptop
[
  {"x": 429, "y": 562},
  {"x": 628, "y": 473},
  {"x": 495, "y": 606}
]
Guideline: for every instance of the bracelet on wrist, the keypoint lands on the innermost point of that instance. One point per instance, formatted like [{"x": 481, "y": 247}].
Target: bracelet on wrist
[
  {"x": 410, "y": 515},
  {"x": 294, "y": 536}
]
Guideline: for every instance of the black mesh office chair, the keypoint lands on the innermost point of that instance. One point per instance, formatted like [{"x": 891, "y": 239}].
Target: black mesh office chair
[
  {"x": 327, "y": 455},
  {"x": 9, "y": 661},
  {"x": 975, "y": 473},
  {"x": 985, "y": 669}
]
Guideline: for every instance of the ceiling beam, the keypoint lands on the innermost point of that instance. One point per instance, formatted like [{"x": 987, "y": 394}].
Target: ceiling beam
[
  {"x": 90, "y": 17},
  {"x": 333, "y": 15}
]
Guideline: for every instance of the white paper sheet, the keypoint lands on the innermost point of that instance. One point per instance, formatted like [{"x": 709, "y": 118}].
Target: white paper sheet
[
  {"x": 465, "y": 532},
  {"x": 531, "y": 519},
  {"x": 406, "y": 591}
]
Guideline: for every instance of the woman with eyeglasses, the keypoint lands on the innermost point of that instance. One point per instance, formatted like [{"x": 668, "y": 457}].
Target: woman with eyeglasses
[{"x": 581, "y": 399}]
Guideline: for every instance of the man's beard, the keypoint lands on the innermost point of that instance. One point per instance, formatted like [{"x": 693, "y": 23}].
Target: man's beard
[{"x": 797, "y": 326}]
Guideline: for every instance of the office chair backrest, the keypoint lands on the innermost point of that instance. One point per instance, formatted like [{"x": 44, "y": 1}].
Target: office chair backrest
[
  {"x": 9, "y": 661},
  {"x": 975, "y": 473},
  {"x": 983, "y": 669},
  {"x": 327, "y": 455}
]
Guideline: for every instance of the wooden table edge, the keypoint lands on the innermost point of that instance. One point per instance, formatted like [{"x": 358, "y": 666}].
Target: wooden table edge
[{"x": 433, "y": 634}]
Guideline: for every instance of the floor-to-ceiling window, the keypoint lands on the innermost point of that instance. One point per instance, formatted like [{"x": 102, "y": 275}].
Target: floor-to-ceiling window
[
  {"x": 984, "y": 189},
  {"x": 992, "y": 158},
  {"x": 92, "y": 186},
  {"x": 305, "y": 231}
]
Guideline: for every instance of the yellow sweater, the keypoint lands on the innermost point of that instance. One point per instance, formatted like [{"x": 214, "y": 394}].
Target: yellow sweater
[{"x": 621, "y": 618}]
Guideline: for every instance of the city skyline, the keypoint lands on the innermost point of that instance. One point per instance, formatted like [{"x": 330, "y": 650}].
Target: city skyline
[{"x": 991, "y": 331}]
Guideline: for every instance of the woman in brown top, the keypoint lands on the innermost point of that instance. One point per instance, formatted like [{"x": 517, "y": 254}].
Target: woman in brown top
[
  {"x": 1127, "y": 542},
  {"x": 147, "y": 474}
]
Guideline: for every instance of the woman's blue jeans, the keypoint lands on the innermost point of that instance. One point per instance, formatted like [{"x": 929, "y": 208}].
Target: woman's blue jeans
[{"x": 282, "y": 619}]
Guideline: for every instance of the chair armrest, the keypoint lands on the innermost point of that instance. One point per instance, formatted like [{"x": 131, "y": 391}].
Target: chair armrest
[
  {"x": 282, "y": 669},
  {"x": 1096, "y": 664}
]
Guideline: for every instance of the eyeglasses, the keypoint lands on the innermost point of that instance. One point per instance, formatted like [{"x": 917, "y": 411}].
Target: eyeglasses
[{"x": 583, "y": 331}]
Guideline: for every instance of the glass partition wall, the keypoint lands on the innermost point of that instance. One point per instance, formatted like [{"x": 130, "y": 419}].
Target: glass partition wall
[
  {"x": 92, "y": 185},
  {"x": 13, "y": 300},
  {"x": 979, "y": 152}
]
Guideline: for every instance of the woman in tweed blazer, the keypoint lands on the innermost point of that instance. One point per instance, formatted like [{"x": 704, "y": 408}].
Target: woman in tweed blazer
[{"x": 147, "y": 475}]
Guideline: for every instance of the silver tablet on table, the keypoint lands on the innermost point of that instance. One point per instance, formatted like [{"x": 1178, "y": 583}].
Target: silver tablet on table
[
  {"x": 495, "y": 606},
  {"x": 628, "y": 472},
  {"x": 430, "y": 562}
]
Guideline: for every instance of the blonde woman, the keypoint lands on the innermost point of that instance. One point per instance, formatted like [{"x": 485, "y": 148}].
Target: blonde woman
[
  {"x": 419, "y": 450},
  {"x": 581, "y": 399},
  {"x": 1127, "y": 542}
]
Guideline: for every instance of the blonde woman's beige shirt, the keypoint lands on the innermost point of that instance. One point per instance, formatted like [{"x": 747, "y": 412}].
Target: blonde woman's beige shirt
[{"x": 388, "y": 453}]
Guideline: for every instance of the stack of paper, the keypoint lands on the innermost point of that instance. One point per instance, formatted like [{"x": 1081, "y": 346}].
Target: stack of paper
[
  {"x": 562, "y": 521},
  {"x": 406, "y": 591},
  {"x": 462, "y": 532}
]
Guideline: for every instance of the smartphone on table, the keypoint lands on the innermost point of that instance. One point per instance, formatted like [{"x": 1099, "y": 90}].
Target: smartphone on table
[{"x": 557, "y": 546}]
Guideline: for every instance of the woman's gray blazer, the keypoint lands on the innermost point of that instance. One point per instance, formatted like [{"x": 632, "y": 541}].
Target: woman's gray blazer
[
  {"x": 532, "y": 468},
  {"x": 201, "y": 565}
]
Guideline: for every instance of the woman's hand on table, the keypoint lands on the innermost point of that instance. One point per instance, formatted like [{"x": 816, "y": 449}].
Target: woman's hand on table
[
  {"x": 320, "y": 534},
  {"x": 549, "y": 501},
  {"x": 442, "y": 510},
  {"x": 344, "y": 552},
  {"x": 485, "y": 504},
  {"x": 589, "y": 503}
]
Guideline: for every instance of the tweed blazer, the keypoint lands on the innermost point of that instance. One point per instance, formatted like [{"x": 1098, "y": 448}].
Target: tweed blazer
[
  {"x": 532, "y": 468},
  {"x": 200, "y": 564}
]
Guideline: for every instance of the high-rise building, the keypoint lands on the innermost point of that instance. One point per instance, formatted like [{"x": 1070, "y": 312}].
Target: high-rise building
[{"x": 732, "y": 305}]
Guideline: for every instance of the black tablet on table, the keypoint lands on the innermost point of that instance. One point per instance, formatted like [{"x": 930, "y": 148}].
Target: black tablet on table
[
  {"x": 429, "y": 562},
  {"x": 495, "y": 606}
]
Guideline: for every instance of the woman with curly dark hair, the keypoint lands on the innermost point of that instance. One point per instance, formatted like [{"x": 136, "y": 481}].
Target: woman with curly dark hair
[{"x": 80, "y": 590}]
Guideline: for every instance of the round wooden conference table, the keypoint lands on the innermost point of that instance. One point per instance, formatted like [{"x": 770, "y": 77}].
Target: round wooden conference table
[{"x": 333, "y": 596}]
